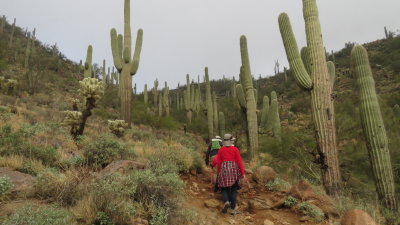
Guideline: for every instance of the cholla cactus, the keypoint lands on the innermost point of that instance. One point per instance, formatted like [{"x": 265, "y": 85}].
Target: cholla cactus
[
  {"x": 117, "y": 127},
  {"x": 8, "y": 85},
  {"x": 91, "y": 88},
  {"x": 73, "y": 119}
]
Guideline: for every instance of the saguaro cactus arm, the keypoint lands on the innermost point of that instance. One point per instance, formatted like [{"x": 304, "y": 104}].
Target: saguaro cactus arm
[
  {"x": 240, "y": 96},
  {"x": 136, "y": 55},
  {"x": 115, "y": 50},
  {"x": 301, "y": 75}
]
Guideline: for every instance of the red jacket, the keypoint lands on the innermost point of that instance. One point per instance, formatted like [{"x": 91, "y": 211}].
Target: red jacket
[{"x": 230, "y": 153}]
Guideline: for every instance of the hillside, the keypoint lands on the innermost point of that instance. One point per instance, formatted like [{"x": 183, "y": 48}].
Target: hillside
[{"x": 154, "y": 173}]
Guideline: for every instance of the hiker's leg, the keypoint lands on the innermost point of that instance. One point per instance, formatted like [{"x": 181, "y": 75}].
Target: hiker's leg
[
  {"x": 225, "y": 194},
  {"x": 233, "y": 195}
]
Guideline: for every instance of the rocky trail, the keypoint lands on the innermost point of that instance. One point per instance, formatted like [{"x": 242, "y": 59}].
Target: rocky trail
[{"x": 259, "y": 207}]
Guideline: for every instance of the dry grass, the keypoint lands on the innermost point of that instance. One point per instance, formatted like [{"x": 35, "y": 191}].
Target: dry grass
[{"x": 18, "y": 162}]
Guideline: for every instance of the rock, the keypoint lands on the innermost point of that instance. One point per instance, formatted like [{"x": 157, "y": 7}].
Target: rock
[
  {"x": 249, "y": 218},
  {"x": 248, "y": 171},
  {"x": 305, "y": 219},
  {"x": 193, "y": 172},
  {"x": 212, "y": 203},
  {"x": 303, "y": 190},
  {"x": 264, "y": 174},
  {"x": 21, "y": 181},
  {"x": 268, "y": 222},
  {"x": 257, "y": 205},
  {"x": 123, "y": 166},
  {"x": 279, "y": 203},
  {"x": 357, "y": 217}
]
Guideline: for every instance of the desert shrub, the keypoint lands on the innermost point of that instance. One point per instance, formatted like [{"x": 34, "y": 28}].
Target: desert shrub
[
  {"x": 277, "y": 185},
  {"x": 42, "y": 215},
  {"x": 177, "y": 155},
  {"x": 76, "y": 161},
  {"x": 312, "y": 211},
  {"x": 161, "y": 217},
  {"x": 104, "y": 150},
  {"x": 290, "y": 201},
  {"x": 63, "y": 188},
  {"x": 107, "y": 199},
  {"x": 5, "y": 186},
  {"x": 16, "y": 143}
]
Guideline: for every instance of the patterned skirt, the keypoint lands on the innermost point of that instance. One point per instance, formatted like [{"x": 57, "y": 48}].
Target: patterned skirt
[{"x": 228, "y": 174}]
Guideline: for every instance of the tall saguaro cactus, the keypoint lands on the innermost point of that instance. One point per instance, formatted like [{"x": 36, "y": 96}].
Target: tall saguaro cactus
[
  {"x": 189, "y": 99},
  {"x": 215, "y": 113},
  {"x": 317, "y": 82},
  {"x": 12, "y": 33},
  {"x": 166, "y": 99},
  {"x": 145, "y": 95},
  {"x": 87, "y": 71},
  {"x": 221, "y": 120},
  {"x": 3, "y": 23},
  {"x": 374, "y": 128},
  {"x": 246, "y": 95},
  {"x": 123, "y": 61},
  {"x": 154, "y": 91},
  {"x": 209, "y": 106},
  {"x": 264, "y": 114}
]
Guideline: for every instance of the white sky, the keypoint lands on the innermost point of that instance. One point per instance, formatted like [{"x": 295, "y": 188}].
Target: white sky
[{"x": 184, "y": 36}]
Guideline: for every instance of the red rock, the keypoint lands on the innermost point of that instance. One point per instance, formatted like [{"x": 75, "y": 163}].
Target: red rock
[
  {"x": 21, "y": 181},
  {"x": 357, "y": 217},
  {"x": 264, "y": 174}
]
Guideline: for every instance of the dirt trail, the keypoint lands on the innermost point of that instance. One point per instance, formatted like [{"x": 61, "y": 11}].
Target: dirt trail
[{"x": 254, "y": 208}]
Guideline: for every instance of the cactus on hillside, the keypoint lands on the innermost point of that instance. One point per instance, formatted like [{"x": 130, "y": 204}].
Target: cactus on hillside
[
  {"x": 117, "y": 127},
  {"x": 160, "y": 110},
  {"x": 166, "y": 99},
  {"x": 209, "y": 105},
  {"x": 154, "y": 91},
  {"x": 215, "y": 113},
  {"x": 145, "y": 95},
  {"x": 221, "y": 119},
  {"x": 3, "y": 24},
  {"x": 276, "y": 121},
  {"x": 28, "y": 51},
  {"x": 374, "y": 128},
  {"x": 247, "y": 100},
  {"x": 87, "y": 71},
  {"x": 123, "y": 61},
  {"x": 189, "y": 99},
  {"x": 264, "y": 114},
  {"x": 10, "y": 43},
  {"x": 316, "y": 80}
]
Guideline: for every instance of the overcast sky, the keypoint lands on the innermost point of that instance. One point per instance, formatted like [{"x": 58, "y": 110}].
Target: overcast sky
[{"x": 184, "y": 36}]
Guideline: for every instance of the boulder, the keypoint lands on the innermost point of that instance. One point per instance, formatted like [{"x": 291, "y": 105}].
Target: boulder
[
  {"x": 268, "y": 222},
  {"x": 264, "y": 174},
  {"x": 21, "y": 181},
  {"x": 357, "y": 217},
  {"x": 212, "y": 203},
  {"x": 303, "y": 191},
  {"x": 123, "y": 166}
]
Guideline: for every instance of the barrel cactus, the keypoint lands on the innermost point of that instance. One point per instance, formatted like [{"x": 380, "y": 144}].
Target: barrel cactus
[
  {"x": 247, "y": 100},
  {"x": 126, "y": 65},
  {"x": 312, "y": 75},
  {"x": 117, "y": 127},
  {"x": 374, "y": 128}
]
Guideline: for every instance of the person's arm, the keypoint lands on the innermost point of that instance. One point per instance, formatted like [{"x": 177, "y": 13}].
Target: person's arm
[
  {"x": 239, "y": 161},
  {"x": 215, "y": 161}
]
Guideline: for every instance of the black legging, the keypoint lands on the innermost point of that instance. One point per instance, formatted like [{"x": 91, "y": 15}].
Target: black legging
[{"x": 229, "y": 194}]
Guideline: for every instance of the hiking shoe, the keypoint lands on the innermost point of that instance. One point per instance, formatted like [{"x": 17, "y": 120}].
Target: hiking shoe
[
  {"x": 234, "y": 211},
  {"x": 226, "y": 206}
]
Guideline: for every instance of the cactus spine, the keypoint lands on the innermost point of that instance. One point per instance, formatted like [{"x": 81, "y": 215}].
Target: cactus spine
[
  {"x": 87, "y": 72},
  {"x": 317, "y": 82},
  {"x": 221, "y": 124},
  {"x": 264, "y": 114},
  {"x": 215, "y": 112},
  {"x": 374, "y": 128},
  {"x": 247, "y": 98},
  {"x": 154, "y": 91},
  {"x": 166, "y": 99},
  {"x": 12, "y": 33},
  {"x": 125, "y": 64},
  {"x": 209, "y": 106},
  {"x": 145, "y": 95}
]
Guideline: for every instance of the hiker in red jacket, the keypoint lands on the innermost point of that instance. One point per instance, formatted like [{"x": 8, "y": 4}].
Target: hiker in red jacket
[{"x": 230, "y": 170}]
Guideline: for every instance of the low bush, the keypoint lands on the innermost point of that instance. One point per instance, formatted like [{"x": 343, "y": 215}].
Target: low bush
[
  {"x": 312, "y": 211},
  {"x": 5, "y": 186},
  {"x": 104, "y": 150},
  {"x": 290, "y": 201},
  {"x": 42, "y": 215},
  {"x": 278, "y": 184}
]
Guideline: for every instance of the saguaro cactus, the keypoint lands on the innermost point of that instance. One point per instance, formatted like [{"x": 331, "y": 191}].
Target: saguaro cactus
[
  {"x": 275, "y": 118},
  {"x": 221, "y": 119},
  {"x": 145, "y": 95},
  {"x": 3, "y": 23},
  {"x": 189, "y": 99},
  {"x": 126, "y": 66},
  {"x": 264, "y": 114},
  {"x": 374, "y": 128},
  {"x": 246, "y": 96},
  {"x": 166, "y": 99},
  {"x": 154, "y": 91},
  {"x": 209, "y": 106},
  {"x": 87, "y": 71},
  {"x": 215, "y": 113},
  {"x": 12, "y": 33},
  {"x": 160, "y": 110},
  {"x": 317, "y": 82}
]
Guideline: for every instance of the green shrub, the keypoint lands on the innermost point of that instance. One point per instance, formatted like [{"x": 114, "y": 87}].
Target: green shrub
[
  {"x": 42, "y": 215},
  {"x": 5, "y": 186},
  {"x": 312, "y": 211},
  {"x": 290, "y": 201},
  {"x": 104, "y": 150},
  {"x": 277, "y": 185},
  {"x": 161, "y": 218}
]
